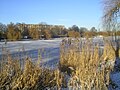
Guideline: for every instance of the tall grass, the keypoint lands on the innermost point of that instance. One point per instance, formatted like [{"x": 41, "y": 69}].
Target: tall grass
[
  {"x": 30, "y": 77},
  {"x": 88, "y": 67}
]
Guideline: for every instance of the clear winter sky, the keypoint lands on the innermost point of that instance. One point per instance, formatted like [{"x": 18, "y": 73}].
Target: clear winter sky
[{"x": 83, "y": 13}]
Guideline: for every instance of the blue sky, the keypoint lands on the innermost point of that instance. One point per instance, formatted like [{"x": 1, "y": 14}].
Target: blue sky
[{"x": 83, "y": 13}]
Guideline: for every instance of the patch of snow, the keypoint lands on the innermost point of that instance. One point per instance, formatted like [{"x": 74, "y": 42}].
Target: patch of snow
[
  {"x": 29, "y": 45},
  {"x": 115, "y": 77}
]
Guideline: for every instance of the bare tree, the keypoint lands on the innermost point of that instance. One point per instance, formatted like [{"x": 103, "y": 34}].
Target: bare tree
[{"x": 111, "y": 20}]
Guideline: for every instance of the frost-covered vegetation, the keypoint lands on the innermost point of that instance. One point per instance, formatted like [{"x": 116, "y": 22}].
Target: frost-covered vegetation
[{"x": 83, "y": 64}]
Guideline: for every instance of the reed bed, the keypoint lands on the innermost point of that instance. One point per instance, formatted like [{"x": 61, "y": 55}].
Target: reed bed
[
  {"x": 83, "y": 65},
  {"x": 88, "y": 67},
  {"x": 30, "y": 77}
]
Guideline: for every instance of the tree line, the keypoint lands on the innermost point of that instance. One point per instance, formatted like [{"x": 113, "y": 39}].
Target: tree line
[{"x": 18, "y": 31}]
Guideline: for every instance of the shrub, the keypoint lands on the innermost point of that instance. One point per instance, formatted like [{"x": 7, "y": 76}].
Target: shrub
[{"x": 74, "y": 34}]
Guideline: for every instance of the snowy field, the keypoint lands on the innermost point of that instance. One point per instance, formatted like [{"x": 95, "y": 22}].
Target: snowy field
[
  {"x": 48, "y": 49},
  {"x": 16, "y": 46}
]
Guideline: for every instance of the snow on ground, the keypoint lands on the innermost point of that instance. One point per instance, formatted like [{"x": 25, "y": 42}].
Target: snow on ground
[
  {"x": 115, "y": 76},
  {"x": 30, "y": 48},
  {"x": 16, "y": 46},
  {"x": 49, "y": 50},
  {"x": 29, "y": 45},
  {"x": 116, "y": 80}
]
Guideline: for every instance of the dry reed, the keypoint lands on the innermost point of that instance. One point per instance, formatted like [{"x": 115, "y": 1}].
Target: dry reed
[{"x": 90, "y": 69}]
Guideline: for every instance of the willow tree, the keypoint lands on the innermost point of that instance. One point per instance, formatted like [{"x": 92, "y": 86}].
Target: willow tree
[{"x": 111, "y": 20}]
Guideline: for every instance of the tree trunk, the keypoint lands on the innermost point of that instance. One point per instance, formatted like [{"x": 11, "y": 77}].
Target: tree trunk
[
  {"x": 117, "y": 46},
  {"x": 117, "y": 49}
]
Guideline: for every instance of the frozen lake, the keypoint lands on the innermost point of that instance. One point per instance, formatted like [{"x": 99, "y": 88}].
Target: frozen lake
[{"x": 48, "y": 49}]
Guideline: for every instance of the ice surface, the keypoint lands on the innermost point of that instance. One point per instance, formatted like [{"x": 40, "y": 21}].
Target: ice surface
[
  {"x": 49, "y": 50},
  {"x": 29, "y": 45}
]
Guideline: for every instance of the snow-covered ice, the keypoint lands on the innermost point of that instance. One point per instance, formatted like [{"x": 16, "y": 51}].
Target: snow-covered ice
[
  {"x": 49, "y": 49},
  {"x": 29, "y": 45}
]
